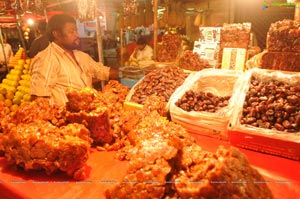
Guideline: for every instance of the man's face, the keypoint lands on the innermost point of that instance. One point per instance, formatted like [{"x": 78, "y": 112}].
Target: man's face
[
  {"x": 141, "y": 46},
  {"x": 68, "y": 38}
]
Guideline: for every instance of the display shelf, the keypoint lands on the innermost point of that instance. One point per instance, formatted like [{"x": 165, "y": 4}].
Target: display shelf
[{"x": 104, "y": 171}]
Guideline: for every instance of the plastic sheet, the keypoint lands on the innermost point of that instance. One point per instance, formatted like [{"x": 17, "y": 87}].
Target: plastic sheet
[{"x": 218, "y": 82}]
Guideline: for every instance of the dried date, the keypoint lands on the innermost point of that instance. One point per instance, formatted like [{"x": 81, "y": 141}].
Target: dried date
[
  {"x": 201, "y": 101},
  {"x": 161, "y": 82},
  {"x": 274, "y": 104}
]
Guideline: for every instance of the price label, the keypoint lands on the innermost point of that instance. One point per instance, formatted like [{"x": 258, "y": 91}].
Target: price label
[{"x": 234, "y": 58}]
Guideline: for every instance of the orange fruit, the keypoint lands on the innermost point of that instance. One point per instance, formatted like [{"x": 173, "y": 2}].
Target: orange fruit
[
  {"x": 7, "y": 102},
  {"x": 9, "y": 95},
  {"x": 14, "y": 108}
]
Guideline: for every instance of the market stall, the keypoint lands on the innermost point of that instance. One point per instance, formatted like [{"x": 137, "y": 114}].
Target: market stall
[{"x": 204, "y": 123}]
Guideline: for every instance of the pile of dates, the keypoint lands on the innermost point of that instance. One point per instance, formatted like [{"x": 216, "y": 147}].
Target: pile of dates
[
  {"x": 192, "y": 61},
  {"x": 272, "y": 105},
  {"x": 161, "y": 82},
  {"x": 170, "y": 47},
  {"x": 201, "y": 101}
]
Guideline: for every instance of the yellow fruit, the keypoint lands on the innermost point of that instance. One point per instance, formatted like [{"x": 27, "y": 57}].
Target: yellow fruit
[
  {"x": 26, "y": 66},
  {"x": 16, "y": 72},
  {"x": 10, "y": 76},
  {"x": 6, "y": 81},
  {"x": 14, "y": 108},
  {"x": 27, "y": 97},
  {"x": 21, "y": 61},
  {"x": 26, "y": 77},
  {"x": 14, "y": 83},
  {"x": 22, "y": 82},
  {"x": 2, "y": 90},
  {"x": 19, "y": 94},
  {"x": 17, "y": 101},
  {"x": 12, "y": 89},
  {"x": 7, "y": 103},
  {"x": 16, "y": 78},
  {"x": 19, "y": 67},
  {"x": 9, "y": 95},
  {"x": 20, "y": 88},
  {"x": 27, "y": 61}
]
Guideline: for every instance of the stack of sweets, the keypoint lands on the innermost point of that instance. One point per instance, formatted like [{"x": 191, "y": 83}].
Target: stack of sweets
[
  {"x": 236, "y": 35},
  {"x": 283, "y": 46}
]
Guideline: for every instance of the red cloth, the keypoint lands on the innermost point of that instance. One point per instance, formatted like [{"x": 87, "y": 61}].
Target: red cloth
[{"x": 130, "y": 48}]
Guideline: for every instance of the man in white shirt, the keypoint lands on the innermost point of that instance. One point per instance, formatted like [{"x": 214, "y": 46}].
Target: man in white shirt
[
  {"x": 62, "y": 66},
  {"x": 143, "y": 52}
]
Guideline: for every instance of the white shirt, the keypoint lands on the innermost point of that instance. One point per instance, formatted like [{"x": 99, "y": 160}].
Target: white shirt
[
  {"x": 143, "y": 55},
  {"x": 8, "y": 53},
  {"x": 53, "y": 71}
]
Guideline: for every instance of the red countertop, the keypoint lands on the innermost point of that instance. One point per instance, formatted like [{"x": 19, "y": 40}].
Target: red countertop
[{"x": 281, "y": 174}]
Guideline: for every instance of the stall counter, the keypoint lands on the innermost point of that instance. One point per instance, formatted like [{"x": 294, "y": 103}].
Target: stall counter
[{"x": 104, "y": 171}]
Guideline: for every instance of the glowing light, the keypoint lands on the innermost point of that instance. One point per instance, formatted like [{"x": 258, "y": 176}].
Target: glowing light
[{"x": 30, "y": 22}]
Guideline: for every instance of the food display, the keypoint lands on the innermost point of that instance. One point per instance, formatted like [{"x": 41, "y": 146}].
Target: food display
[
  {"x": 273, "y": 105},
  {"x": 84, "y": 107},
  {"x": 192, "y": 61},
  {"x": 56, "y": 135},
  {"x": 168, "y": 128},
  {"x": 170, "y": 47},
  {"x": 202, "y": 101},
  {"x": 161, "y": 82},
  {"x": 283, "y": 36},
  {"x": 183, "y": 170},
  {"x": 32, "y": 142},
  {"x": 235, "y": 38},
  {"x": 15, "y": 87},
  {"x": 268, "y": 111},
  {"x": 283, "y": 48},
  {"x": 236, "y": 35},
  {"x": 288, "y": 61},
  {"x": 99, "y": 111}
]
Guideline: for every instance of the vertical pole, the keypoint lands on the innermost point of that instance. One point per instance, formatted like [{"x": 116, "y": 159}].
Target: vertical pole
[
  {"x": 46, "y": 15},
  {"x": 99, "y": 39},
  {"x": 155, "y": 28},
  {"x": 297, "y": 11},
  {"x": 121, "y": 48}
]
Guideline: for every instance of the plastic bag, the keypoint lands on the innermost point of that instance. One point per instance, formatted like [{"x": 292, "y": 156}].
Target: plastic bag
[
  {"x": 263, "y": 75},
  {"x": 216, "y": 81}
]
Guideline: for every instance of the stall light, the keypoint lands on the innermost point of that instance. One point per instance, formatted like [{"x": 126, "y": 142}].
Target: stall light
[{"x": 30, "y": 21}]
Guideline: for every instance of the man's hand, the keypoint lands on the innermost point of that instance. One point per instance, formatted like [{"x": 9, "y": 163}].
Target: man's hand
[{"x": 114, "y": 74}]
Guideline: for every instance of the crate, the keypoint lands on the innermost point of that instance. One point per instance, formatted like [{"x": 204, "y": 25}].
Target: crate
[
  {"x": 270, "y": 144},
  {"x": 131, "y": 72},
  {"x": 270, "y": 141},
  {"x": 130, "y": 75},
  {"x": 129, "y": 82}
]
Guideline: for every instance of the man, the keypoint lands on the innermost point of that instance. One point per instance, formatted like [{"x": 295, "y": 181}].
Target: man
[
  {"x": 61, "y": 65},
  {"x": 6, "y": 50},
  {"x": 41, "y": 42},
  {"x": 142, "y": 52}
]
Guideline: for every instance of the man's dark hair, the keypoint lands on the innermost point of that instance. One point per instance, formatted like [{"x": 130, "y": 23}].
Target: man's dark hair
[
  {"x": 42, "y": 26},
  {"x": 141, "y": 41},
  {"x": 57, "y": 22}
]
